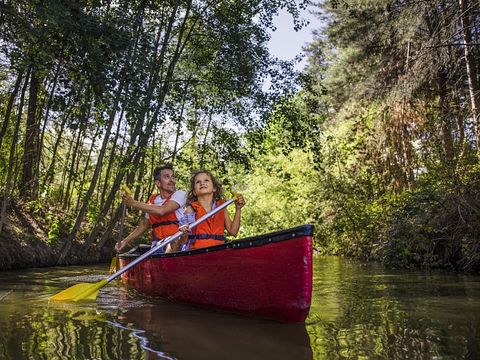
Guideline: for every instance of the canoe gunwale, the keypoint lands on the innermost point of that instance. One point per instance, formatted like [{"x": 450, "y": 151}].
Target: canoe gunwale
[{"x": 253, "y": 241}]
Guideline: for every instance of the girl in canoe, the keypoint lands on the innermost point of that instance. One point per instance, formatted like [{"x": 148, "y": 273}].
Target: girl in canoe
[{"x": 206, "y": 194}]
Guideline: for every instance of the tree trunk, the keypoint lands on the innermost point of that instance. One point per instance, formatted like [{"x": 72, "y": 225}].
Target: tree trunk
[
  {"x": 473, "y": 87},
  {"x": 459, "y": 119},
  {"x": 83, "y": 178},
  {"x": 93, "y": 182},
  {"x": 108, "y": 231},
  {"x": 68, "y": 171},
  {"x": 49, "y": 174},
  {"x": 446, "y": 125},
  {"x": 29, "y": 181},
  {"x": 204, "y": 145},
  {"x": 11, "y": 101},
  {"x": 111, "y": 159},
  {"x": 45, "y": 121},
  {"x": 6, "y": 194}
]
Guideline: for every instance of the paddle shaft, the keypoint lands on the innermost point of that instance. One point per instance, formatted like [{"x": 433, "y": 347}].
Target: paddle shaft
[
  {"x": 167, "y": 241},
  {"x": 122, "y": 222},
  {"x": 126, "y": 189}
]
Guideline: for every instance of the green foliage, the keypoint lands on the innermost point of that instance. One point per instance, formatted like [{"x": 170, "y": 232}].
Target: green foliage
[
  {"x": 435, "y": 225},
  {"x": 55, "y": 222},
  {"x": 54, "y": 233},
  {"x": 59, "y": 224},
  {"x": 280, "y": 193},
  {"x": 93, "y": 213}
]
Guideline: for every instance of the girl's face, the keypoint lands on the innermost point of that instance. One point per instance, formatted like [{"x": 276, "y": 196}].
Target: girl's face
[{"x": 203, "y": 185}]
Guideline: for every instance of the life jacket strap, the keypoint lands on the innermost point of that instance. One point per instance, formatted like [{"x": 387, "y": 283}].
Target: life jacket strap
[
  {"x": 206, "y": 236},
  {"x": 164, "y": 223}
]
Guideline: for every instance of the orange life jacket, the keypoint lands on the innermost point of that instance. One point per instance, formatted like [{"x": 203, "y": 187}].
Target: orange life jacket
[
  {"x": 211, "y": 231},
  {"x": 162, "y": 226}
]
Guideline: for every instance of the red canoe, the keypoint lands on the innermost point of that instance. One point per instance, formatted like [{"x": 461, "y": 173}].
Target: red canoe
[{"x": 268, "y": 276}]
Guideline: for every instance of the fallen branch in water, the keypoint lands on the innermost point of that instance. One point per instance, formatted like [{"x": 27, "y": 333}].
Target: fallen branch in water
[{"x": 5, "y": 295}]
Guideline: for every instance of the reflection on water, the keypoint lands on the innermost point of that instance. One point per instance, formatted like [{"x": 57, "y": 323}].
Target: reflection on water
[
  {"x": 365, "y": 311},
  {"x": 358, "y": 311},
  {"x": 32, "y": 328},
  {"x": 189, "y": 333}
]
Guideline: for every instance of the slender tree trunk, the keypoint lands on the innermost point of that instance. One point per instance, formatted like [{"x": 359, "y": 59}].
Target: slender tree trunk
[
  {"x": 11, "y": 101},
  {"x": 204, "y": 145},
  {"x": 446, "y": 126},
  {"x": 73, "y": 169},
  {"x": 83, "y": 178},
  {"x": 69, "y": 170},
  {"x": 109, "y": 230},
  {"x": 29, "y": 180},
  {"x": 70, "y": 153},
  {"x": 460, "y": 124},
  {"x": 45, "y": 121},
  {"x": 6, "y": 194},
  {"x": 93, "y": 183},
  {"x": 111, "y": 159},
  {"x": 49, "y": 174},
  {"x": 470, "y": 62},
  {"x": 179, "y": 124}
]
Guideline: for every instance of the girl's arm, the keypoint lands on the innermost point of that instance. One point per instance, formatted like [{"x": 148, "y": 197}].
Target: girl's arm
[{"x": 232, "y": 226}]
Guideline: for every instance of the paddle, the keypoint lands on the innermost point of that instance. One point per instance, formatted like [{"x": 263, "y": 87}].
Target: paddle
[
  {"x": 89, "y": 291},
  {"x": 115, "y": 263}
]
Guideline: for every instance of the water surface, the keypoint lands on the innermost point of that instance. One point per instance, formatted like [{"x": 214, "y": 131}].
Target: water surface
[{"x": 358, "y": 311}]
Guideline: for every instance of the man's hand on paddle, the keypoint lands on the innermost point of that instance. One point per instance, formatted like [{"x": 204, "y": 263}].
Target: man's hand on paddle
[
  {"x": 119, "y": 246},
  {"x": 127, "y": 199}
]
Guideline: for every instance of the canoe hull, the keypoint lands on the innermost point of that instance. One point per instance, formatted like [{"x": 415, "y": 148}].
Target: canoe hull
[{"x": 269, "y": 276}]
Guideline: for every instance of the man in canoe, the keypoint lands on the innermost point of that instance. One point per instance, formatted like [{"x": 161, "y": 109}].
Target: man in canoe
[
  {"x": 162, "y": 211},
  {"x": 206, "y": 194}
]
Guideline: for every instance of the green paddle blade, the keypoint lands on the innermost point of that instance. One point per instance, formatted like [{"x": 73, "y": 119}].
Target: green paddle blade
[{"x": 82, "y": 291}]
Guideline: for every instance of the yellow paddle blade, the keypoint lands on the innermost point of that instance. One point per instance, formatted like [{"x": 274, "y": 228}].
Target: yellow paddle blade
[
  {"x": 127, "y": 190},
  {"x": 82, "y": 291},
  {"x": 115, "y": 265}
]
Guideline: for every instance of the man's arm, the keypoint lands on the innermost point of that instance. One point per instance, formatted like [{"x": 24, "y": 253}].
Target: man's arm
[{"x": 151, "y": 208}]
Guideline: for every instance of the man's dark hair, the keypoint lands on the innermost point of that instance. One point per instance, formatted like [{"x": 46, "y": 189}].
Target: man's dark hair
[{"x": 158, "y": 170}]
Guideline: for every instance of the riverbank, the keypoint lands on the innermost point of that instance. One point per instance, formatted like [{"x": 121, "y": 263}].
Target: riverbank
[
  {"x": 24, "y": 242},
  {"x": 27, "y": 241}
]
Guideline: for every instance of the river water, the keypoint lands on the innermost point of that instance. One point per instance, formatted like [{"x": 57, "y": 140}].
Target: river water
[{"x": 358, "y": 311}]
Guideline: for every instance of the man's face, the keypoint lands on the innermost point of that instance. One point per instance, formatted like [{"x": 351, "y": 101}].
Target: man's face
[{"x": 167, "y": 181}]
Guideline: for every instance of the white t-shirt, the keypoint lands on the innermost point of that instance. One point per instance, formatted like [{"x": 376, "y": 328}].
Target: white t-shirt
[{"x": 179, "y": 196}]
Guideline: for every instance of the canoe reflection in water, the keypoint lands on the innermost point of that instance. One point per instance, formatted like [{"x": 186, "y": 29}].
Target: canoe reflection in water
[{"x": 172, "y": 331}]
